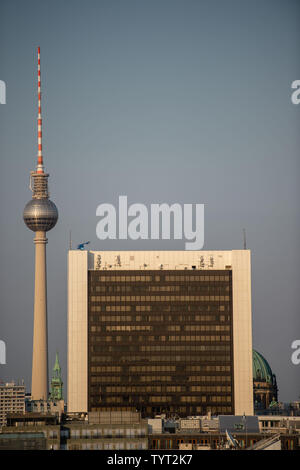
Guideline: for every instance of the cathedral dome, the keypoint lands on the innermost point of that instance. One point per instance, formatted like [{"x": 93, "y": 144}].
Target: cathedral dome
[
  {"x": 265, "y": 388},
  {"x": 262, "y": 371}
]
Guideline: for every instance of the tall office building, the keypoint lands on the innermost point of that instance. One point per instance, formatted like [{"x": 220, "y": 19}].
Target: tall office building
[
  {"x": 160, "y": 331},
  {"x": 40, "y": 215}
]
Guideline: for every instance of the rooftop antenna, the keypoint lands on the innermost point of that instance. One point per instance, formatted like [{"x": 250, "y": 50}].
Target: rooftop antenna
[
  {"x": 244, "y": 237},
  {"x": 70, "y": 241}
]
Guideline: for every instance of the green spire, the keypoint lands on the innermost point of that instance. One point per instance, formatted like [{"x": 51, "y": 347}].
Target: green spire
[
  {"x": 56, "y": 392},
  {"x": 56, "y": 368}
]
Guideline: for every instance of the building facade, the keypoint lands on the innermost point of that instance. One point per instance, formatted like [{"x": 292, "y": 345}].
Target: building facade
[
  {"x": 12, "y": 400},
  {"x": 23, "y": 441},
  {"x": 160, "y": 331},
  {"x": 96, "y": 431},
  {"x": 126, "y": 430}
]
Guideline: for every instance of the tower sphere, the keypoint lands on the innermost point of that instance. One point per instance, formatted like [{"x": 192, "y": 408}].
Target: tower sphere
[{"x": 40, "y": 215}]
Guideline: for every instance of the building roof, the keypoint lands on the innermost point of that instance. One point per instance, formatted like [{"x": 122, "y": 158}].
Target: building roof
[{"x": 261, "y": 368}]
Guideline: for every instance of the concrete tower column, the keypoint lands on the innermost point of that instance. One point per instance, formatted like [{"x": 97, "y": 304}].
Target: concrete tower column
[{"x": 39, "y": 387}]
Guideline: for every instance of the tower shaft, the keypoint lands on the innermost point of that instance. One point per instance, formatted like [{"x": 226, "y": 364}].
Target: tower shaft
[{"x": 39, "y": 387}]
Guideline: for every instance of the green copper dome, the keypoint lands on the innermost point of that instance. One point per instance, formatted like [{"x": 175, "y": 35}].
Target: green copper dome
[{"x": 261, "y": 369}]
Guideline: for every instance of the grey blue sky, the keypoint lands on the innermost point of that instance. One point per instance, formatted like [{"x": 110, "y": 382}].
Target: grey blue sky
[{"x": 163, "y": 101}]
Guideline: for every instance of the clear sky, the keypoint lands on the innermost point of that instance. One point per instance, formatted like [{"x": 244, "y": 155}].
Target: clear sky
[{"x": 163, "y": 101}]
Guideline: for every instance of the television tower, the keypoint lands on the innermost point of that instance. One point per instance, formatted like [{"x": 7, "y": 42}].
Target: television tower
[{"x": 40, "y": 215}]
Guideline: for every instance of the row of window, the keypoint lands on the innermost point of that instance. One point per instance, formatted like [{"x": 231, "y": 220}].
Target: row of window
[
  {"x": 156, "y": 378},
  {"x": 210, "y": 388},
  {"x": 109, "y": 369},
  {"x": 124, "y": 328},
  {"x": 132, "y": 287},
  {"x": 141, "y": 389},
  {"x": 118, "y": 379},
  {"x": 165, "y": 389},
  {"x": 138, "y": 308},
  {"x": 175, "y": 308},
  {"x": 113, "y": 308},
  {"x": 167, "y": 278},
  {"x": 198, "y": 328},
  {"x": 185, "y": 359},
  {"x": 183, "y": 288},
  {"x": 209, "y": 378},
  {"x": 8, "y": 393},
  {"x": 203, "y": 398},
  {"x": 158, "y": 298},
  {"x": 104, "y": 379},
  {"x": 158, "y": 318},
  {"x": 94, "y": 329},
  {"x": 178, "y": 338},
  {"x": 12, "y": 400},
  {"x": 184, "y": 410},
  {"x": 189, "y": 347},
  {"x": 216, "y": 368},
  {"x": 127, "y": 278},
  {"x": 109, "y": 446},
  {"x": 210, "y": 278},
  {"x": 167, "y": 398},
  {"x": 106, "y": 432}
]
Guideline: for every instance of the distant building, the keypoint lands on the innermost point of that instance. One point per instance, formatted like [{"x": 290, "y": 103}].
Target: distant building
[
  {"x": 128, "y": 431},
  {"x": 98, "y": 431},
  {"x": 45, "y": 407},
  {"x": 56, "y": 390},
  {"x": 23, "y": 441},
  {"x": 264, "y": 383},
  {"x": 123, "y": 430},
  {"x": 12, "y": 400},
  {"x": 43, "y": 428},
  {"x": 211, "y": 433},
  {"x": 280, "y": 423},
  {"x": 160, "y": 332},
  {"x": 55, "y": 403}
]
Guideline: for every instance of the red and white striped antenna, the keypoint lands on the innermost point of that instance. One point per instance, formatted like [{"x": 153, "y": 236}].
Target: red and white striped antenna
[{"x": 40, "y": 166}]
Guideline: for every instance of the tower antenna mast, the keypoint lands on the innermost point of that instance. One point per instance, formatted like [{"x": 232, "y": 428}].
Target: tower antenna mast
[
  {"x": 40, "y": 167},
  {"x": 244, "y": 238}
]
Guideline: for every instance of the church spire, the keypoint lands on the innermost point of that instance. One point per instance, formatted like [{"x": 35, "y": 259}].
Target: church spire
[
  {"x": 57, "y": 367},
  {"x": 56, "y": 392}
]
